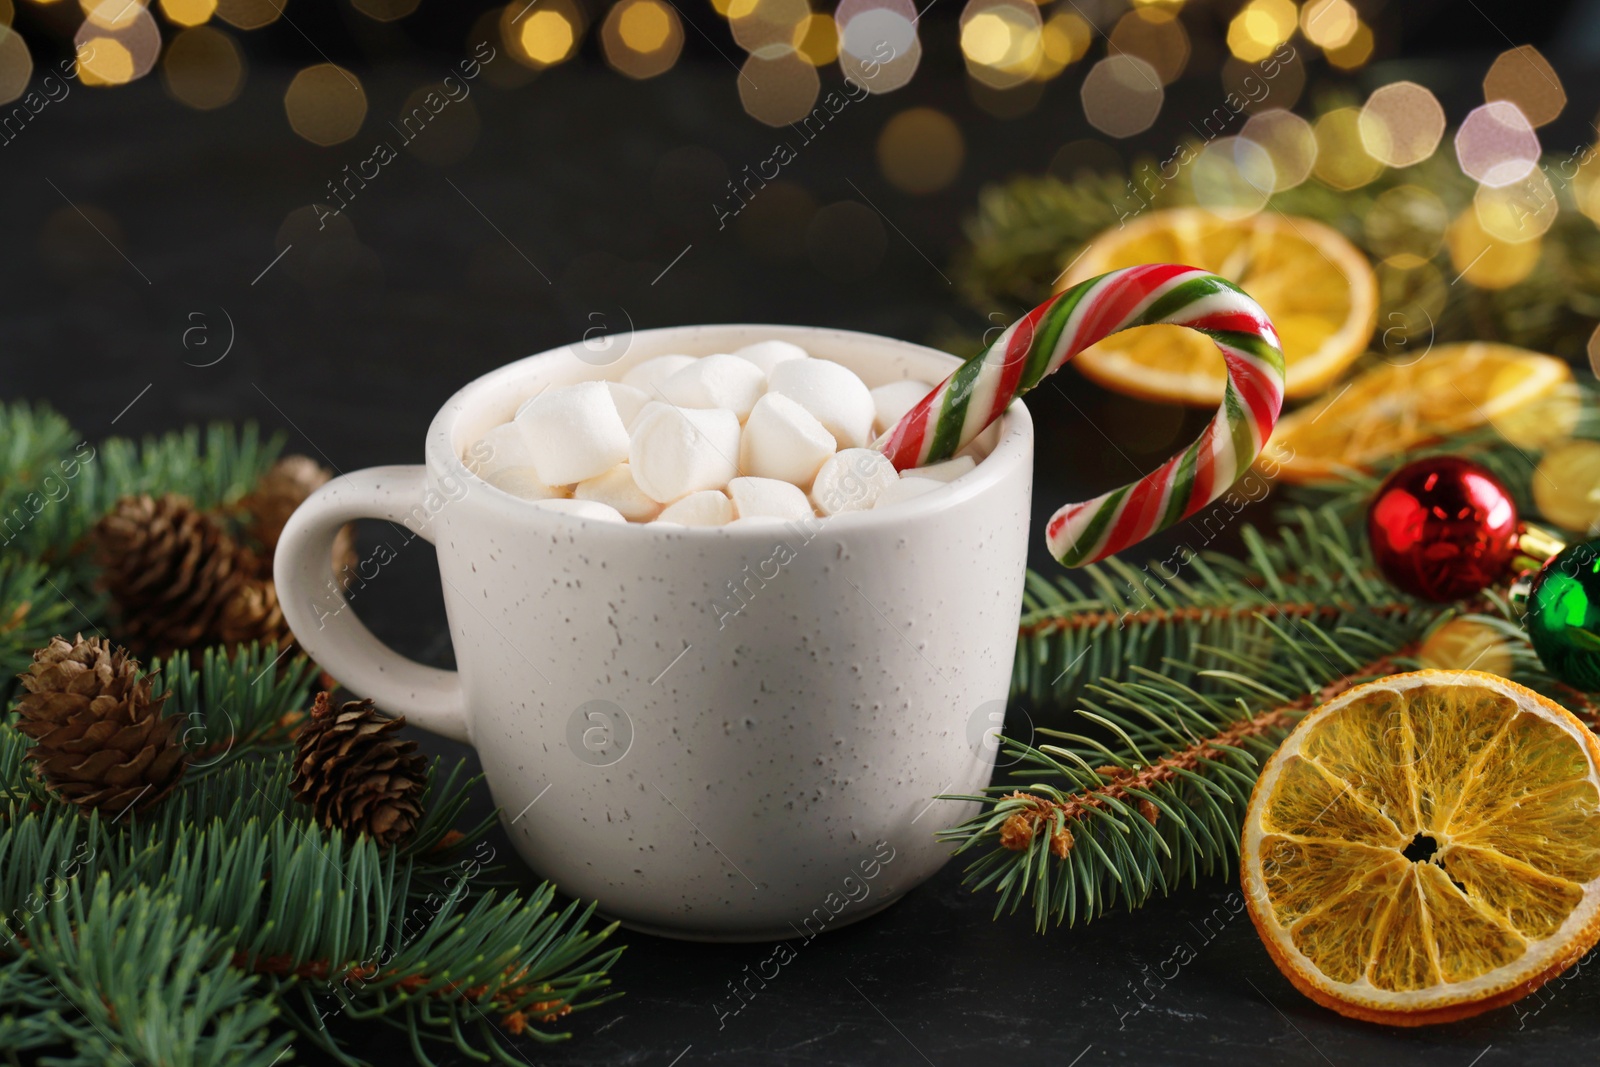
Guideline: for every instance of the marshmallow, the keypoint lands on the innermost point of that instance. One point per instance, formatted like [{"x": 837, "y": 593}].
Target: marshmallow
[
  {"x": 649, "y": 375},
  {"x": 852, "y": 480},
  {"x": 783, "y": 440},
  {"x": 617, "y": 489},
  {"x": 894, "y": 400},
  {"x": 705, "y": 508},
  {"x": 948, "y": 471},
  {"x": 524, "y": 482},
  {"x": 719, "y": 381},
  {"x": 676, "y": 451},
  {"x": 757, "y": 498},
  {"x": 503, "y": 448},
  {"x": 840, "y": 401},
  {"x": 584, "y": 509},
  {"x": 574, "y": 432},
  {"x": 906, "y": 489},
  {"x": 768, "y": 354},
  {"x": 629, "y": 401}
]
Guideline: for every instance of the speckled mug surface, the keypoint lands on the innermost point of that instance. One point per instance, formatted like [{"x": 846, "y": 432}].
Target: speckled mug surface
[{"x": 719, "y": 734}]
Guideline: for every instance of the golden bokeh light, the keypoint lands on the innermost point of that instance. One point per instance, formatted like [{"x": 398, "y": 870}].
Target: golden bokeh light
[
  {"x": 1586, "y": 185},
  {"x": 112, "y": 14},
  {"x": 921, "y": 150},
  {"x": 778, "y": 87},
  {"x": 1355, "y": 52},
  {"x": 1593, "y": 349},
  {"x": 734, "y": 9},
  {"x": 1002, "y": 41},
  {"x": 641, "y": 38},
  {"x": 1483, "y": 259},
  {"x": 1523, "y": 76},
  {"x": 1406, "y": 224},
  {"x": 188, "y": 12},
  {"x": 1496, "y": 145},
  {"x": 1289, "y": 142},
  {"x": 1329, "y": 23},
  {"x": 16, "y": 65},
  {"x": 816, "y": 38},
  {"x": 1122, "y": 95},
  {"x": 1342, "y": 159},
  {"x": 1260, "y": 27},
  {"x": 1465, "y": 644},
  {"x": 1063, "y": 40},
  {"x": 769, "y": 23},
  {"x": 1156, "y": 36},
  {"x": 1232, "y": 177},
  {"x": 1401, "y": 124},
  {"x": 1522, "y": 211},
  {"x": 878, "y": 45},
  {"x": 385, "y": 10},
  {"x": 325, "y": 104},
  {"x": 104, "y": 61},
  {"x": 7, "y": 13},
  {"x": 1412, "y": 293},
  {"x": 249, "y": 14},
  {"x": 203, "y": 68},
  {"x": 1566, "y": 488},
  {"x": 547, "y": 37},
  {"x": 1253, "y": 92}
]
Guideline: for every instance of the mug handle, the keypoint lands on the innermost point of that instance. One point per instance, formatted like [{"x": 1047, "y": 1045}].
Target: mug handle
[{"x": 317, "y": 612}]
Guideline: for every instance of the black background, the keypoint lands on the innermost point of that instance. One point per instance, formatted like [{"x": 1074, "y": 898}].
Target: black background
[{"x": 600, "y": 182}]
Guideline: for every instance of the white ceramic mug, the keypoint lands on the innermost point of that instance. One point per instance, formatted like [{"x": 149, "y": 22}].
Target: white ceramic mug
[{"x": 731, "y": 734}]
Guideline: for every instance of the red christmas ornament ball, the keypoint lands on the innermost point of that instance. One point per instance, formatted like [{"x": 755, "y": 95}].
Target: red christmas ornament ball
[{"x": 1442, "y": 528}]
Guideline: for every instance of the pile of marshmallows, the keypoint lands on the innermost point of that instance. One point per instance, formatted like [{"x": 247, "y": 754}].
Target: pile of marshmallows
[{"x": 766, "y": 434}]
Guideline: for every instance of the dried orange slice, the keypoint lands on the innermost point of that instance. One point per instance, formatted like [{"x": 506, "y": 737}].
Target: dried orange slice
[
  {"x": 1452, "y": 388},
  {"x": 1317, "y": 288},
  {"x": 1427, "y": 847}
]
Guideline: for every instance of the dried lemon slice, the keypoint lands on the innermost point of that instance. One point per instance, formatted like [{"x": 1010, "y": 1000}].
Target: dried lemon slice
[{"x": 1427, "y": 847}]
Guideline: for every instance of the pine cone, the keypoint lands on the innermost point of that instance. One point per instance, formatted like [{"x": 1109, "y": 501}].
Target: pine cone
[
  {"x": 170, "y": 569},
  {"x": 282, "y": 489},
  {"x": 354, "y": 775},
  {"x": 253, "y": 614},
  {"x": 102, "y": 742}
]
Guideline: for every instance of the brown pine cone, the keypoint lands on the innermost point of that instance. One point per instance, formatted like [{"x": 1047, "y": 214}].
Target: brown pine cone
[
  {"x": 101, "y": 741},
  {"x": 170, "y": 570},
  {"x": 253, "y": 614},
  {"x": 283, "y": 488},
  {"x": 354, "y": 775}
]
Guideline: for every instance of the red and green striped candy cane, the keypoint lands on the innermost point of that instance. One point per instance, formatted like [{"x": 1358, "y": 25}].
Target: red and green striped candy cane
[{"x": 959, "y": 408}]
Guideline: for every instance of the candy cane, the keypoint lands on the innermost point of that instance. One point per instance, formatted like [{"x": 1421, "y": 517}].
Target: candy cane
[{"x": 977, "y": 393}]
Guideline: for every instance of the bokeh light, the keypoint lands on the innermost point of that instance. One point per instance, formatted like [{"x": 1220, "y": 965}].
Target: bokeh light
[
  {"x": 103, "y": 61},
  {"x": 249, "y": 14},
  {"x": 203, "y": 68},
  {"x": 7, "y": 13},
  {"x": 1496, "y": 145},
  {"x": 325, "y": 104},
  {"x": 1342, "y": 158},
  {"x": 846, "y": 241},
  {"x": 117, "y": 55},
  {"x": 920, "y": 150},
  {"x": 1355, "y": 52},
  {"x": 1253, "y": 92},
  {"x": 385, "y": 10},
  {"x": 547, "y": 37},
  {"x": 816, "y": 38},
  {"x": 1156, "y": 36},
  {"x": 1566, "y": 488},
  {"x": 1521, "y": 211},
  {"x": 16, "y": 65},
  {"x": 1465, "y": 644},
  {"x": 1232, "y": 177},
  {"x": 768, "y": 22},
  {"x": 188, "y": 12},
  {"x": 1593, "y": 349},
  {"x": 878, "y": 45},
  {"x": 778, "y": 87},
  {"x": 642, "y": 38},
  {"x": 1329, "y": 23},
  {"x": 1001, "y": 41},
  {"x": 1401, "y": 124},
  {"x": 1485, "y": 260},
  {"x": 1289, "y": 142},
  {"x": 1523, "y": 76},
  {"x": 1122, "y": 95},
  {"x": 1406, "y": 224},
  {"x": 1260, "y": 27},
  {"x": 1063, "y": 40},
  {"x": 112, "y": 14}
]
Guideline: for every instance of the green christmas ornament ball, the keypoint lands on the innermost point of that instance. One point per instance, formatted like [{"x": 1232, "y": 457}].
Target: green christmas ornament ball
[{"x": 1563, "y": 615}]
